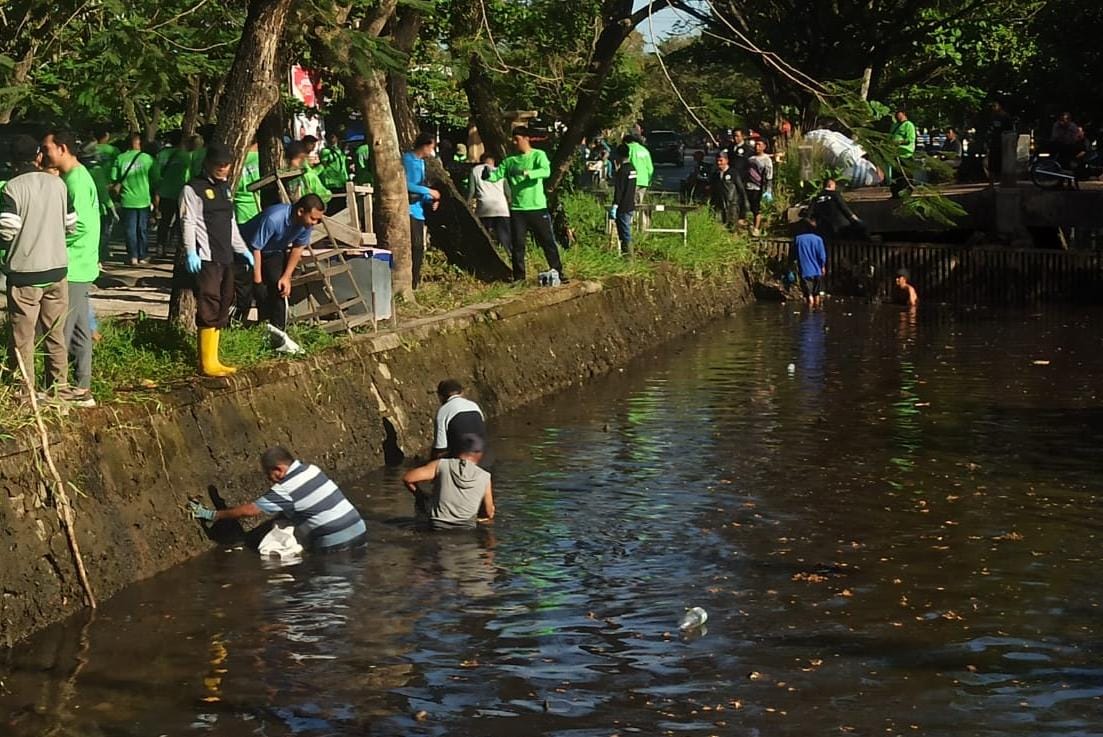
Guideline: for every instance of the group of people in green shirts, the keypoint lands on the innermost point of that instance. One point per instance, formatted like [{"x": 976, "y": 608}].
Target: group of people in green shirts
[{"x": 132, "y": 184}]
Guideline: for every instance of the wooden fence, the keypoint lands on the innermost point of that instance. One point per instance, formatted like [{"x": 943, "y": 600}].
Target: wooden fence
[{"x": 989, "y": 275}]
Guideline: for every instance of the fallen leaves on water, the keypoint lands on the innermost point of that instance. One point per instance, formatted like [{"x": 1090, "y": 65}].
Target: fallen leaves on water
[
  {"x": 1012, "y": 536},
  {"x": 1041, "y": 362},
  {"x": 809, "y": 577},
  {"x": 469, "y": 664}
]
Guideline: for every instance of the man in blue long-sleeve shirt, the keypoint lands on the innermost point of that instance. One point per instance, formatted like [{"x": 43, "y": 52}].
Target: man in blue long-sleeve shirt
[
  {"x": 812, "y": 259},
  {"x": 421, "y": 196}
]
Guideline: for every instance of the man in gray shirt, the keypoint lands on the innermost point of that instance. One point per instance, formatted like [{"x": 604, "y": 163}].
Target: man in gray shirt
[
  {"x": 460, "y": 488},
  {"x": 36, "y": 214}
]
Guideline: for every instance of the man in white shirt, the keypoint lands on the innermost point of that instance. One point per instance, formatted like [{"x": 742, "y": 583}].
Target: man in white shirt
[{"x": 457, "y": 416}]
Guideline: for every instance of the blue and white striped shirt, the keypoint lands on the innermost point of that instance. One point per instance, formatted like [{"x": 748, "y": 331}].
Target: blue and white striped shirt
[{"x": 322, "y": 516}]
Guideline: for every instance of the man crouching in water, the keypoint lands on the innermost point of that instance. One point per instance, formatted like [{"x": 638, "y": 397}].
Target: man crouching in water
[
  {"x": 459, "y": 487},
  {"x": 323, "y": 518}
]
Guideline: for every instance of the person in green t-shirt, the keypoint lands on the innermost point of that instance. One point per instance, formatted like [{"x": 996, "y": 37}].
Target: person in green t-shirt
[
  {"x": 334, "y": 164},
  {"x": 363, "y": 164},
  {"x": 902, "y": 134},
  {"x": 246, "y": 203},
  {"x": 174, "y": 163},
  {"x": 83, "y": 247},
  {"x": 525, "y": 172},
  {"x": 104, "y": 155},
  {"x": 308, "y": 182},
  {"x": 640, "y": 159},
  {"x": 135, "y": 174}
]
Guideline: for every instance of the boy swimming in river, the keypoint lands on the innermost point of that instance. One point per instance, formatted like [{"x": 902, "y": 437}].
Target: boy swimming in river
[{"x": 903, "y": 292}]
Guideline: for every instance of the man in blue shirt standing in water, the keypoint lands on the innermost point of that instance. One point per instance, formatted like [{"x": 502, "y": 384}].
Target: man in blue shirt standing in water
[{"x": 811, "y": 256}]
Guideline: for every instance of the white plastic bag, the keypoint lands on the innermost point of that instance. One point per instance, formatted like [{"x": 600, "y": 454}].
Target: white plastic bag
[{"x": 280, "y": 542}]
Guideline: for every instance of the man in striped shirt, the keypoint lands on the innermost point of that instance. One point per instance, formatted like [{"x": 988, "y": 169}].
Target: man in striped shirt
[{"x": 323, "y": 518}]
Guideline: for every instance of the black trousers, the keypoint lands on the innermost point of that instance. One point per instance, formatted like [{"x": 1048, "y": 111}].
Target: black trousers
[
  {"x": 271, "y": 307},
  {"x": 214, "y": 294},
  {"x": 539, "y": 222},
  {"x": 168, "y": 222},
  {"x": 417, "y": 247},
  {"x": 499, "y": 227}
]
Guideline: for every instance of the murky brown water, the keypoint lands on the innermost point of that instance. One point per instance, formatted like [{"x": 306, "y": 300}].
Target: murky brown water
[{"x": 899, "y": 537}]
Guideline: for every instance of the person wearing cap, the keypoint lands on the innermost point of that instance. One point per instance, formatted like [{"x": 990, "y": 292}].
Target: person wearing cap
[
  {"x": 525, "y": 172},
  {"x": 461, "y": 488},
  {"x": 324, "y": 518},
  {"x": 211, "y": 238},
  {"x": 903, "y": 292},
  {"x": 276, "y": 237},
  {"x": 457, "y": 416},
  {"x": 36, "y": 216}
]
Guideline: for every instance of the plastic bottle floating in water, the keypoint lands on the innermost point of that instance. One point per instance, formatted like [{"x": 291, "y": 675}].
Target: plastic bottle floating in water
[{"x": 693, "y": 618}]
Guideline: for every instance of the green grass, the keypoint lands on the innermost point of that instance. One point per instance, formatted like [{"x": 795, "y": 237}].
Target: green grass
[{"x": 712, "y": 250}]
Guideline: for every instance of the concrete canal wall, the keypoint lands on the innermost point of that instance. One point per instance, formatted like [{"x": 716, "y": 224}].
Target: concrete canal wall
[{"x": 133, "y": 467}]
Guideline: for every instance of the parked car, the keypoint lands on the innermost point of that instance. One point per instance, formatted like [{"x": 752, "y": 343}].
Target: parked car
[{"x": 666, "y": 147}]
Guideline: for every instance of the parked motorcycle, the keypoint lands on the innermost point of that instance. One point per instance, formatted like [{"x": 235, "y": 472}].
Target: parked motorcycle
[{"x": 1047, "y": 171}]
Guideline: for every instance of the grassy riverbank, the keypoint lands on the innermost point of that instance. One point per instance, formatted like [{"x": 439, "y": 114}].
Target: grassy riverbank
[{"x": 137, "y": 357}]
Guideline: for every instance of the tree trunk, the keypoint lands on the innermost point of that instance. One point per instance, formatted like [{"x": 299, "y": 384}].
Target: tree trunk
[
  {"x": 19, "y": 74},
  {"x": 253, "y": 83},
  {"x": 131, "y": 113},
  {"x": 392, "y": 215},
  {"x": 191, "y": 110},
  {"x": 153, "y": 124},
  {"x": 616, "y": 29},
  {"x": 867, "y": 77},
  {"x": 485, "y": 109},
  {"x": 253, "y": 88},
  {"x": 466, "y": 31},
  {"x": 403, "y": 36},
  {"x": 270, "y": 149},
  {"x": 220, "y": 88}
]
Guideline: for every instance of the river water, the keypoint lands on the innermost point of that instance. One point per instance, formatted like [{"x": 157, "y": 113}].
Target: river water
[{"x": 898, "y": 535}]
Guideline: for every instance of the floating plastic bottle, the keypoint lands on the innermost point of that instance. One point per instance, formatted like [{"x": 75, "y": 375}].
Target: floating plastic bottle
[
  {"x": 792, "y": 369},
  {"x": 693, "y": 619}
]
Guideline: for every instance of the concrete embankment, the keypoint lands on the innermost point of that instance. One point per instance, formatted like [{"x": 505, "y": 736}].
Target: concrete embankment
[{"x": 132, "y": 467}]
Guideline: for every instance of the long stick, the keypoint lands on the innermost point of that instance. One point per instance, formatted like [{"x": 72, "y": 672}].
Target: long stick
[{"x": 61, "y": 499}]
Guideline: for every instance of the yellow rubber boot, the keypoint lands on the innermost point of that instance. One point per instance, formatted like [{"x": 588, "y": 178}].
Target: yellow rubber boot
[
  {"x": 209, "y": 365},
  {"x": 226, "y": 370}
]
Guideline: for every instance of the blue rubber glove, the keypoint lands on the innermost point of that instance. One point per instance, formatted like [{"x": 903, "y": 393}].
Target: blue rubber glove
[
  {"x": 198, "y": 511},
  {"x": 248, "y": 256},
  {"x": 194, "y": 264},
  {"x": 767, "y": 197},
  {"x": 613, "y": 212}
]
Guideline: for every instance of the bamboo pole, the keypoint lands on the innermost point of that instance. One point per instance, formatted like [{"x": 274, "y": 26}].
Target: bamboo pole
[{"x": 60, "y": 497}]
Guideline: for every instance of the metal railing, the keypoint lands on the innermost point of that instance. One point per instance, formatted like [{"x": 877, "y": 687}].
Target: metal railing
[{"x": 956, "y": 274}]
